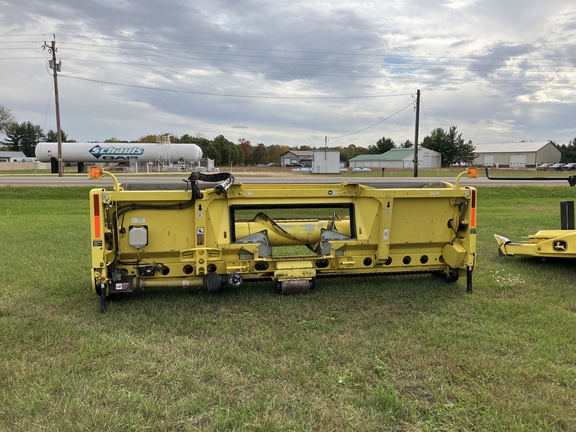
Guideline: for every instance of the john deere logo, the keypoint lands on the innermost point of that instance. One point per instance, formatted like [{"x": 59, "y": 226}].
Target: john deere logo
[
  {"x": 115, "y": 152},
  {"x": 560, "y": 245}
]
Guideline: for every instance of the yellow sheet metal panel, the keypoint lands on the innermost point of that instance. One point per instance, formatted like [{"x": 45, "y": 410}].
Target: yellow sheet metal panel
[{"x": 294, "y": 269}]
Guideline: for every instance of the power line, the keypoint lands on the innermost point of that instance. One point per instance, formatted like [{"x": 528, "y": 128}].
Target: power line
[
  {"x": 470, "y": 62},
  {"x": 232, "y": 95},
  {"x": 382, "y": 58},
  {"x": 431, "y": 67},
  {"x": 389, "y": 63},
  {"x": 380, "y": 55},
  {"x": 22, "y": 58},
  {"x": 420, "y": 70},
  {"x": 375, "y": 124},
  {"x": 22, "y": 35},
  {"x": 424, "y": 112}
]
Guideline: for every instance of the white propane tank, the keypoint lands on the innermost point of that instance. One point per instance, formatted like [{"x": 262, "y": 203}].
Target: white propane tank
[{"x": 118, "y": 152}]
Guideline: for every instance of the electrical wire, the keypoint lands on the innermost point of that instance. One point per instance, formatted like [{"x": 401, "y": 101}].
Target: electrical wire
[
  {"x": 232, "y": 95},
  {"x": 378, "y": 55},
  {"x": 338, "y": 63},
  {"x": 391, "y": 67},
  {"x": 371, "y": 126},
  {"x": 398, "y": 66},
  {"x": 48, "y": 103}
]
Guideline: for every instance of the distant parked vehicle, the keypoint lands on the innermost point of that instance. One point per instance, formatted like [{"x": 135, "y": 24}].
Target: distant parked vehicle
[
  {"x": 361, "y": 169},
  {"x": 557, "y": 167},
  {"x": 570, "y": 166},
  {"x": 301, "y": 169},
  {"x": 543, "y": 167}
]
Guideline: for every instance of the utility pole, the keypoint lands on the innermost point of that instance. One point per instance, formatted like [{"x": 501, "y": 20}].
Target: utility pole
[
  {"x": 416, "y": 133},
  {"x": 56, "y": 67}
]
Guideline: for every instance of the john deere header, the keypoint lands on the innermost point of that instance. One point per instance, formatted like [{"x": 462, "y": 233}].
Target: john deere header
[{"x": 290, "y": 234}]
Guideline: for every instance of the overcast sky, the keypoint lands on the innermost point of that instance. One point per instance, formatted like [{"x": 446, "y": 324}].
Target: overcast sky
[{"x": 294, "y": 72}]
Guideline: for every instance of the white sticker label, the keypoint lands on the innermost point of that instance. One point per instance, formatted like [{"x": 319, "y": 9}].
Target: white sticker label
[
  {"x": 138, "y": 220},
  {"x": 386, "y": 233}
]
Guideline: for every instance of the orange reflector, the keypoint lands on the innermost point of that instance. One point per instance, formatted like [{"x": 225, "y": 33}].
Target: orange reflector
[
  {"x": 95, "y": 172},
  {"x": 96, "y": 203},
  {"x": 472, "y": 172},
  {"x": 473, "y": 210}
]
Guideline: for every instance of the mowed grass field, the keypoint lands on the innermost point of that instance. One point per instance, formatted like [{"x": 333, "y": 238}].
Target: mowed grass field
[{"x": 402, "y": 353}]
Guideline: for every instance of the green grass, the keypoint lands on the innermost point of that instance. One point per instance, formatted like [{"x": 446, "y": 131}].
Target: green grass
[{"x": 407, "y": 353}]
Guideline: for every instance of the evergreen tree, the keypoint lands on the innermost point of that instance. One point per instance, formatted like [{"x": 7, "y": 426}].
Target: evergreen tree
[
  {"x": 24, "y": 137},
  {"x": 52, "y": 136},
  {"x": 568, "y": 152},
  {"x": 382, "y": 146},
  {"x": 451, "y": 146}
]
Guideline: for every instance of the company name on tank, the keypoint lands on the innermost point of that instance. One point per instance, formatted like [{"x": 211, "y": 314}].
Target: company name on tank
[{"x": 98, "y": 151}]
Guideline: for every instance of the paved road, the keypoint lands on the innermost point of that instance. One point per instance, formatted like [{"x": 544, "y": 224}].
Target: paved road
[{"x": 152, "y": 181}]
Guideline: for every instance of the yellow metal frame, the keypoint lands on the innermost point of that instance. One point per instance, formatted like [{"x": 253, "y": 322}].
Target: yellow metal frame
[
  {"x": 171, "y": 238},
  {"x": 543, "y": 244}
]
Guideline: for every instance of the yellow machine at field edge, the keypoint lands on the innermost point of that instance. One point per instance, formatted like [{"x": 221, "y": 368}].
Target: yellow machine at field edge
[
  {"x": 290, "y": 234},
  {"x": 544, "y": 243}
]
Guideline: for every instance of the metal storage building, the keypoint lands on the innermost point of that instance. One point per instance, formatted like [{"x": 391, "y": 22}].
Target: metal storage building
[
  {"x": 12, "y": 156},
  {"x": 516, "y": 154},
  {"x": 398, "y": 158}
]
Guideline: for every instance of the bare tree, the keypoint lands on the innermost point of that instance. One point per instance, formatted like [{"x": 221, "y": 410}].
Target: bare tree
[{"x": 6, "y": 118}]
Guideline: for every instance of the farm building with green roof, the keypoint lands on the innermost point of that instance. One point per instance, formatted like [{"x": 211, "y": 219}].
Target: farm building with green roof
[{"x": 398, "y": 158}]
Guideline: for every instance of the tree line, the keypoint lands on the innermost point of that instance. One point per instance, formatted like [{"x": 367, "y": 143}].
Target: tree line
[{"x": 449, "y": 143}]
